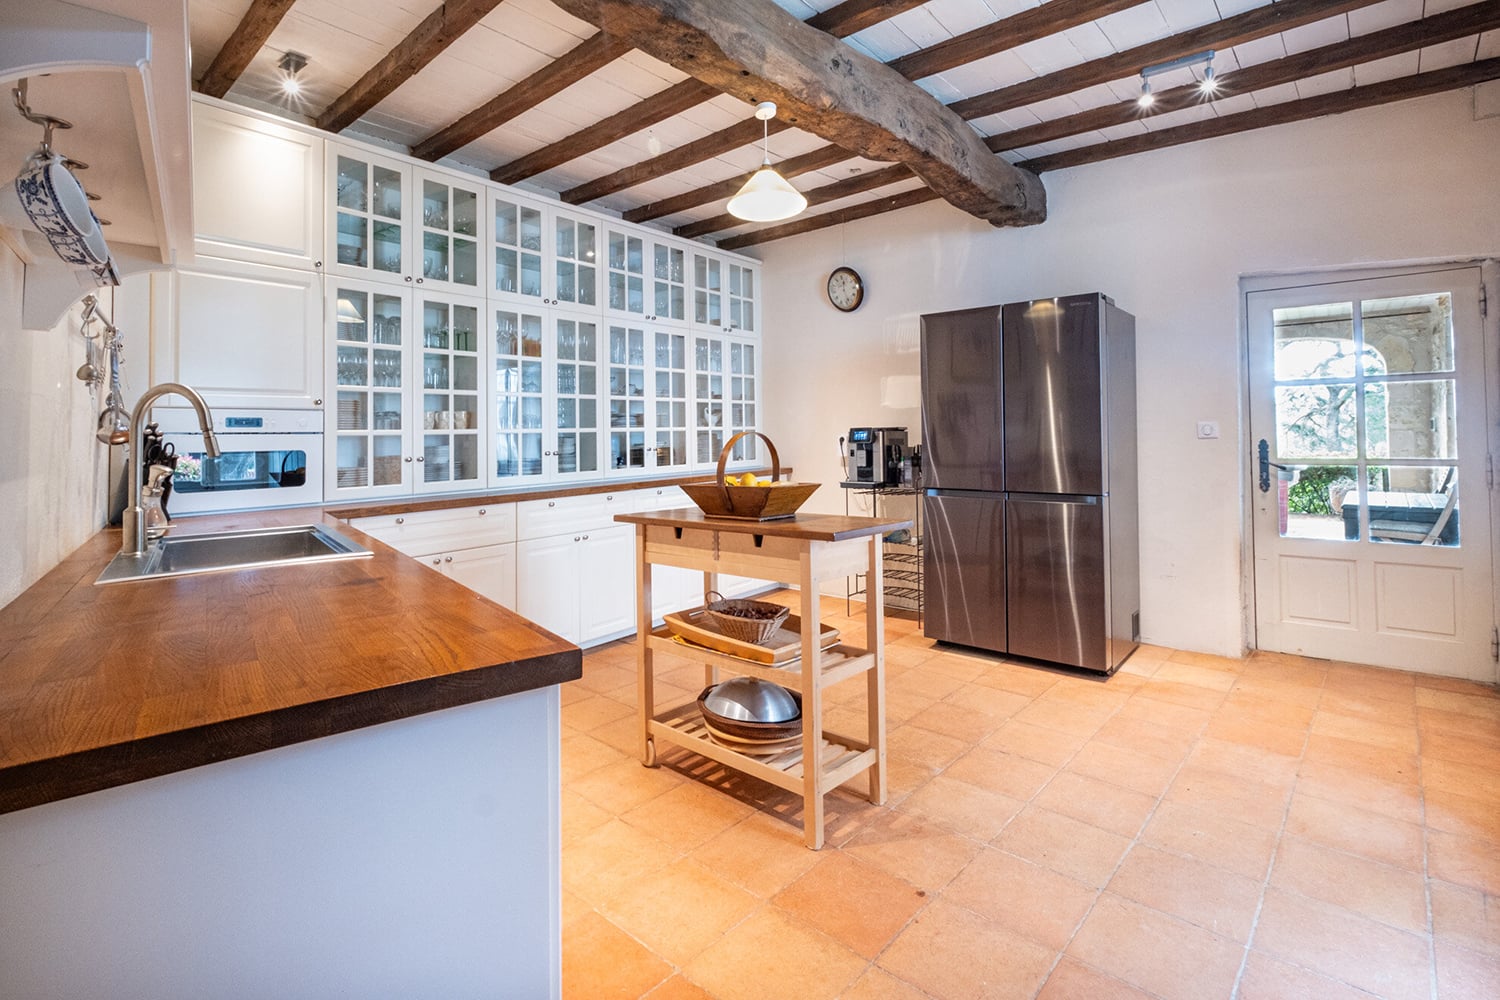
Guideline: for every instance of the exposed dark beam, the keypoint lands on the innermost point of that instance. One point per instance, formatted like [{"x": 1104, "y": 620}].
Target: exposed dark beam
[
  {"x": 826, "y": 156},
  {"x": 427, "y": 40},
  {"x": 858, "y": 184},
  {"x": 1385, "y": 92},
  {"x": 740, "y": 133},
  {"x": 809, "y": 223},
  {"x": 584, "y": 58},
  {"x": 1400, "y": 89},
  {"x": 1457, "y": 23},
  {"x": 754, "y": 50},
  {"x": 247, "y": 38},
  {"x": 839, "y": 21},
  {"x": 1029, "y": 25},
  {"x": 1007, "y": 33},
  {"x": 656, "y": 108},
  {"x": 1250, "y": 25}
]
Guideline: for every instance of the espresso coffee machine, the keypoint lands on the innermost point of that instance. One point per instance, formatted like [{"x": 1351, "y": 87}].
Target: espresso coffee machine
[{"x": 874, "y": 456}]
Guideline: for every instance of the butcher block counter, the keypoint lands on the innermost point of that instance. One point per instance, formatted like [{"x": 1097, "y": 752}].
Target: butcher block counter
[
  {"x": 103, "y": 685},
  {"x": 314, "y": 780}
]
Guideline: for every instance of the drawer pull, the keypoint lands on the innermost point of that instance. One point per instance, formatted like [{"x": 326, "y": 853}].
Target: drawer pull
[
  {"x": 482, "y": 512},
  {"x": 551, "y": 503},
  {"x": 609, "y": 496},
  {"x": 576, "y": 538},
  {"x": 585, "y": 538},
  {"x": 437, "y": 562},
  {"x": 447, "y": 558},
  {"x": 400, "y": 520}
]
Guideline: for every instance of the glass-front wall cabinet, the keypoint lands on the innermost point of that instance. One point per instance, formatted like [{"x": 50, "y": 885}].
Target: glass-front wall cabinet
[
  {"x": 708, "y": 397},
  {"x": 575, "y": 261},
  {"x": 517, "y": 240},
  {"x": 668, "y": 283},
  {"x": 708, "y": 291},
  {"x": 742, "y": 282},
  {"x": 744, "y": 397},
  {"x": 371, "y": 346},
  {"x": 626, "y": 273},
  {"x": 519, "y": 394},
  {"x": 577, "y": 446},
  {"x": 451, "y": 218},
  {"x": 627, "y": 398},
  {"x": 672, "y": 423},
  {"x": 452, "y": 414},
  {"x": 370, "y": 215}
]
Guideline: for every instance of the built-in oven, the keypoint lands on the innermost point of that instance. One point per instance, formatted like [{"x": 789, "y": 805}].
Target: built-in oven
[{"x": 267, "y": 458}]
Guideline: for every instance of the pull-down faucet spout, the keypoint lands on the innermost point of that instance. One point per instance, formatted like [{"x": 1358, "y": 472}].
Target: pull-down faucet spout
[{"x": 134, "y": 521}]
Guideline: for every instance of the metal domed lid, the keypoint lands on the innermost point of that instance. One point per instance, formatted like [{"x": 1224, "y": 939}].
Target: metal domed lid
[{"x": 749, "y": 699}]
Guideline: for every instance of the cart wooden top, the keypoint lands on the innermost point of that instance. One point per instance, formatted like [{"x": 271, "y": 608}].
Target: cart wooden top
[{"x": 807, "y": 527}]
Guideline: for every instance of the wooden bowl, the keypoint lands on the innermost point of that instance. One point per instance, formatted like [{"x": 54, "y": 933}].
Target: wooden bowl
[{"x": 749, "y": 503}]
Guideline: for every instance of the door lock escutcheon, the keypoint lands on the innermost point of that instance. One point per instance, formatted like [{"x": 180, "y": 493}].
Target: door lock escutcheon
[{"x": 1266, "y": 465}]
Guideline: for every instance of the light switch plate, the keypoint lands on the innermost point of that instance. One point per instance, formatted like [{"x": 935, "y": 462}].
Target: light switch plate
[{"x": 1208, "y": 429}]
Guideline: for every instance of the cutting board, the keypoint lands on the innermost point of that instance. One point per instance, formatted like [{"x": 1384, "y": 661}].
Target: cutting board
[{"x": 699, "y": 628}]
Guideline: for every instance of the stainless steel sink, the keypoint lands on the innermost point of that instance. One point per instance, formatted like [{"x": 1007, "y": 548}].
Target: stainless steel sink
[{"x": 229, "y": 550}]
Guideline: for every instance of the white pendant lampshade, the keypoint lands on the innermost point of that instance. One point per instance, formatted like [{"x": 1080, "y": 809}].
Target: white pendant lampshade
[{"x": 766, "y": 196}]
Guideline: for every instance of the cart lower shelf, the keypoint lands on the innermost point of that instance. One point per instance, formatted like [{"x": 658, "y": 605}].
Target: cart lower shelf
[{"x": 840, "y": 757}]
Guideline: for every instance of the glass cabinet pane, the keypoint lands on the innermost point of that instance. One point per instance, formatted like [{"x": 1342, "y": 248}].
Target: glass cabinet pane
[
  {"x": 518, "y": 394},
  {"x": 708, "y": 295},
  {"x": 368, "y": 215},
  {"x": 627, "y": 397},
  {"x": 575, "y": 258},
  {"x": 450, "y": 250},
  {"x": 708, "y": 398},
  {"x": 669, "y": 283},
  {"x": 742, "y": 395},
  {"x": 671, "y": 401},
  {"x": 369, "y": 358},
  {"x": 450, "y": 393},
  {"x": 576, "y": 386},
  {"x": 627, "y": 278},
  {"x": 741, "y": 298}
]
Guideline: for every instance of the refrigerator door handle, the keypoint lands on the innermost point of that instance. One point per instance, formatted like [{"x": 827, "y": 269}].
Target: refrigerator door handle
[
  {"x": 1077, "y": 498},
  {"x": 977, "y": 494}
]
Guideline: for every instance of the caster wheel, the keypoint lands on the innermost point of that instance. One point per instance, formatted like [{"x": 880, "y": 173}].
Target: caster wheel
[{"x": 650, "y": 753}]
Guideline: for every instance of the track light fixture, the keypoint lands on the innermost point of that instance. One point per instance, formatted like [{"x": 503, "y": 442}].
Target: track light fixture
[
  {"x": 290, "y": 65},
  {"x": 766, "y": 196},
  {"x": 1209, "y": 85}
]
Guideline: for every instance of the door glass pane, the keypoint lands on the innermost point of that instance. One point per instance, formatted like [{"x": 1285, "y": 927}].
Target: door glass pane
[
  {"x": 1413, "y": 505},
  {"x": 1411, "y": 419},
  {"x": 1316, "y": 421},
  {"x": 1409, "y": 335},
  {"x": 1317, "y": 501}
]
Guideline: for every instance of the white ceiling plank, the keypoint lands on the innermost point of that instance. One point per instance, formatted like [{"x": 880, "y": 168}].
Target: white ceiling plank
[
  {"x": 1233, "y": 104},
  {"x": 1326, "y": 83},
  {"x": 1229, "y": 8},
  {"x": 1386, "y": 14},
  {"x": 1182, "y": 116},
  {"x": 941, "y": 89},
  {"x": 1328, "y": 31},
  {"x": 921, "y": 27},
  {"x": 1180, "y": 15},
  {"x": 1125, "y": 130},
  {"x": 1094, "y": 97},
  {"x": 1090, "y": 42},
  {"x": 1454, "y": 53},
  {"x": 959, "y": 16},
  {"x": 1439, "y": 6},
  {"x": 1137, "y": 26},
  {"x": 1054, "y": 108},
  {"x": 884, "y": 41},
  {"x": 990, "y": 73},
  {"x": 1389, "y": 68},
  {"x": 1048, "y": 55},
  {"x": 1260, "y": 50},
  {"x": 1279, "y": 94},
  {"x": 1489, "y": 45}
]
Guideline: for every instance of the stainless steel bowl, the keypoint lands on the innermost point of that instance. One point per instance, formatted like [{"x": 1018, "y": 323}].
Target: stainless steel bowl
[{"x": 749, "y": 699}]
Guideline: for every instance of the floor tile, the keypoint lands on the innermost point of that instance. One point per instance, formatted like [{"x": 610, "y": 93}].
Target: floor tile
[
  {"x": 625, "y": 784},
  {"x": 583, "y": 755},
  {"x": 1381, "y": 763},
  {"x": 1345, "y": 946},
  {"x": 580, "y": 816},
  {"x": 912, "y": 849},
  {"x": 1231, "y": 727},
  {"x": 1242, "y": 797},
  {"x": 588, "y": 714},
  {"x": 1267, "y": 978},
  {"x": 860, "y": 906},
  {"x": 1480, "y": 705},
  {"x": 687, "y": 816},
  {"x": 1098, "y": 803},
  {"x": 997, "y": 771},
  {"x": 1072, "y": 980},
  {"x": 760, "y": 853},
  {"x": 1155, "y": 952},
  {"x": 1034, "y": 742},
  {"x": 1132, "y": 769},
  {"x": 1390, "y": 895},
  {"x": 1210, "y": 836},
  {"x": 679, "y": 910},
  {"x": 679, "y": 988},
  {"x": 1466, "y": 975},
  {"x": 961, "y": 807},
  {"x": 1216, "y": 900},
  {"x": 1470, "y": 861},
  {"x": 1034, "y": 902},
  {"x": 877, "y": 984},
  {"x": 1064, "y": 844},
  {"x": 601, "y": 862},
  {"x": 602, "y": 962},
  {"x": 768, "y": 947},
  {"x": 950, "y": 719},
  {"x": 1398, "y": 800},
  {"x": 954, "y": 954},
  {"x": 1356, "y": 831},
  {"x": 1466, "y": 916}
]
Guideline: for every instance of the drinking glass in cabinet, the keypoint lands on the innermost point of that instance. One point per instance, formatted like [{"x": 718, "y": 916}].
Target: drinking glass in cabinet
[
  {"x": 505, "y": 336},
  {"x": 531, "y": 336},
  {"x": 353, "y": 239},
  {"x": 387, "y": 368},
  {"x": 353, "y": 368},
  {"x": 567, "y": 379},
  {"x": 435, "y": 256},
  {"x": 466, "y": 413},
  {"x": 565, "y": 276},
  {"x": 466, "y": 263},
  {"x": 507, "y": 376},
  {"x": 505, "y": 270},
  {"x": 531, "y": 413},
  {"x": 434, "y": 205},
  {"x": 566, "y": 247},
  {"x": 387, "y": 193},
  {"x": 567, "y": 340},
  {"x": 435, "y": 373},
  {"x": 350, "y": 186},
  {"x": 466, "y": 374},
  {"x": 531, "y": 275},
  {"x": 531, "y": 376},
  {"x": 567, "y": 413},
  {"x": 387, "y": 247},
  {"x": 465, "y": 212},
  {"x": 435, "y": 336}
]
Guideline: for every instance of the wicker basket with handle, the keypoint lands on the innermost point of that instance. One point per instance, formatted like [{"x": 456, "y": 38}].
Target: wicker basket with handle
[
  {"x": 749, "y": 503},
  {"x": 747, "y": 621}
]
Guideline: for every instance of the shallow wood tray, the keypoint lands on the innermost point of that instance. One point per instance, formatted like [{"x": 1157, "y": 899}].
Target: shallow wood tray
[{"x": 698, "y": 627}]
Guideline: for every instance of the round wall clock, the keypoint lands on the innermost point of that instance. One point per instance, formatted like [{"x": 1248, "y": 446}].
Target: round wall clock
[{"x": 846, "y": 289}]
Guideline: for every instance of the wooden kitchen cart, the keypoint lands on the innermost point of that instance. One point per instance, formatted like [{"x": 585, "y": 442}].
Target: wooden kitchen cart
[{"x": 806, "y": 550}]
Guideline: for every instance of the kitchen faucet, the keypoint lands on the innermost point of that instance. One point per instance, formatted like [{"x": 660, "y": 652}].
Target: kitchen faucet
[{"x": 134, "y": 521}]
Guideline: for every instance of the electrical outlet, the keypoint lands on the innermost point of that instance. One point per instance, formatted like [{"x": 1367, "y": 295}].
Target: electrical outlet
[{"x": 1208, "y": 429}]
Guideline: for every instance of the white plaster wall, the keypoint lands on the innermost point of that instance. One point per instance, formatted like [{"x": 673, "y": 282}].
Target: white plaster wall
[
  {"x": 52, "y": 469},
  {"x": 1168, "y": 236}
]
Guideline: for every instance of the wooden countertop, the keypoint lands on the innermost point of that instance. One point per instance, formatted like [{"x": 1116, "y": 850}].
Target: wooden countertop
[
  {"x": 809, "y": 527},
  {"x": 101, "y": 686}
]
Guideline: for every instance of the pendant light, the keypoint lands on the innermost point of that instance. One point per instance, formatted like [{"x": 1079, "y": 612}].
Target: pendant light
[{"x": 766, "y": 196}]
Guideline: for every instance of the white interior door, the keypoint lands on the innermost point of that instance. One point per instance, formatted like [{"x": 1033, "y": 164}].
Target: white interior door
[{"x": 1370, "y": 474}]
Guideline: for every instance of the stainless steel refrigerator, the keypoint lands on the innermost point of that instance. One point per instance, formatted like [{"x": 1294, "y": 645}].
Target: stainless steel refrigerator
[{"x": 1029, "y": 474}]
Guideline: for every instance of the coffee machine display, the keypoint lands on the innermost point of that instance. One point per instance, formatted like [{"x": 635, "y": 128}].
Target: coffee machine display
[{"x": 875, "y": 456}]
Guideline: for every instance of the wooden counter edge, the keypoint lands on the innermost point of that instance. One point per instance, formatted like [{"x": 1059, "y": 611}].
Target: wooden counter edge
[
  {"x": 813, "y": 527},
  {"x": 36, "y": 783}
]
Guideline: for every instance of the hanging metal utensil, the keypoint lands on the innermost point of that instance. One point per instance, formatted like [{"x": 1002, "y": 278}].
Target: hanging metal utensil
[{"x": 114, "y": 422}]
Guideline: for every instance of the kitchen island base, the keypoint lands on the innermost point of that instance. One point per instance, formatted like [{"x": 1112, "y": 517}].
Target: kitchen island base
[{"x": 807, "y": 549}]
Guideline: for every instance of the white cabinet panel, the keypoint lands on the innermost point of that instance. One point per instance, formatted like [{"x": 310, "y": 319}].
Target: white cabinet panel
[
  {"x": 548, "y": 581},
  {"x": 257, "y": 189},
  {"x": 607, "y": 585},
  {"x": 489, "y": 570},
  {"x": 540, "y": 518},
  {"x": 245, "y": 335},
  {"x": 423, "y": 532}
]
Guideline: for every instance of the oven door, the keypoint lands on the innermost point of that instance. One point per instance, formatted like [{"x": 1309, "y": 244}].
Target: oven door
[{"x": 252, "y": 470}]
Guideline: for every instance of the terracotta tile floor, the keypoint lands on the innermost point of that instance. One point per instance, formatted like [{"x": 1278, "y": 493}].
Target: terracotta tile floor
[{"x": 1193, "y": 828}]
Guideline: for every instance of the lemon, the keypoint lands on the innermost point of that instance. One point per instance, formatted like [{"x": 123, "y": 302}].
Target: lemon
[{"x": 731, "y": 480}]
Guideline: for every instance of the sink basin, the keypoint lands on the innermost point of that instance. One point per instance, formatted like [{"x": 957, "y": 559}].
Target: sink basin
[{"x": 227, "y": 550}]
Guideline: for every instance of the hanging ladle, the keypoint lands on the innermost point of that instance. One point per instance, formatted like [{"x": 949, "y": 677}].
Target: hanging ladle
[{"x": 114, "y": 422}]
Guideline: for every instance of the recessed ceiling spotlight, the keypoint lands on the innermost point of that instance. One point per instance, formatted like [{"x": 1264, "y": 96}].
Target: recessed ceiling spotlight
[
  {"x": 1147, "y": 98},
  {"x": 291, "y": 64}
]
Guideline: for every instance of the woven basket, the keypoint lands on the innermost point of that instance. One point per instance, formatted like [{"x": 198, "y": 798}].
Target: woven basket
[
  {"x": 749, "y": 503},
  {"x": 747, "y": 621}
]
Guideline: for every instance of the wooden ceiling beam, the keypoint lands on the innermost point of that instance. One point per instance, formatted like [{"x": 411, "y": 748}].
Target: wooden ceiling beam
[
  {"x": 1460, "y": 22},
  {"x": 656, "y": 108},
  {"x": 1007, "y": 33},
  {"x": 810, "y": 223},
  {"x": 1027, "y": 26},
  {"x": 740, "y": 134},
  {"x": 1338, "y": 102},
  {"x": 857, "y": 184},
  {"x": 427, "y": 40},
  {"x": 1252, "y": 24},
  {"x": 583, "y": 59},
  {"x": 754, "y": 50},
  {"x": 1385, "y": 92},
  {"x": 825, "y": 156},
  {"x": 247, "y": 38},
  {"x": 840, "y": 21}
]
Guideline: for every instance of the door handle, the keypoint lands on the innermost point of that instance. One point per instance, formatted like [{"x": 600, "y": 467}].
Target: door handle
[{"x": 1266, "y": 465}]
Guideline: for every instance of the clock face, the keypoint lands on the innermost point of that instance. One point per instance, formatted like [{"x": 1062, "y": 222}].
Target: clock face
[{"x": 846, "y": 289}]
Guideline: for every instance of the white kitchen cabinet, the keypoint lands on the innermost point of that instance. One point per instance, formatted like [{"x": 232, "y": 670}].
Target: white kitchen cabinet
[
  {"x": 451, "y": 233},
  {"x": 575, "y": 566},
  {"x": 370, "y": 214},
  {"x": 650, "y": 424},
  {"x": 474, "y": 545},
  {"x": 488, "y": 570},
  {"x": 543, "y": 256},
  {"x": 409, "y": 404},
  {"x": 257, "y": 189},
  {"x": 646, "y": 276},
  {"x": 245, "y": 335},
  {"x": 548, "y": 384},
  {"x": 742, "y": 298},
  {"x": 708, "y": 290}
]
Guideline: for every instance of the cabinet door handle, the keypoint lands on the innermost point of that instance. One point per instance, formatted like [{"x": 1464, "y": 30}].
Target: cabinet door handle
[
  {"x": 609, "y": 496},
  {"x": 421, "y": 458},
  {"x": 317, "y": 402},
  {"x": 482, "y": 512},
  {"x": 408, "y": 279},
  {"x": 400, "y": 520},
  {"x": 407, "y": 459},
  {"x": 551, "y": 503},
  {"x": 576, "y": 538},
  {"x": 585, "y": 538},
  {"x": 437, "y": 562},
  {"x": 419, "y": 281},
  {"x": 447, "y": 558}
]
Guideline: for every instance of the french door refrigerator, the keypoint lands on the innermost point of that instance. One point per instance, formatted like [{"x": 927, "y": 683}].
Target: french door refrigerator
[{"x": 1029, "y": 471}]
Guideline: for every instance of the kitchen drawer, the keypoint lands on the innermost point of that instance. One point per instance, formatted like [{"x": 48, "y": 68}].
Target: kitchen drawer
[
  {"x": 543, "y": 518},
  {"x": 426, "y": 531},
  {"x": 661, "y": 498}
]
